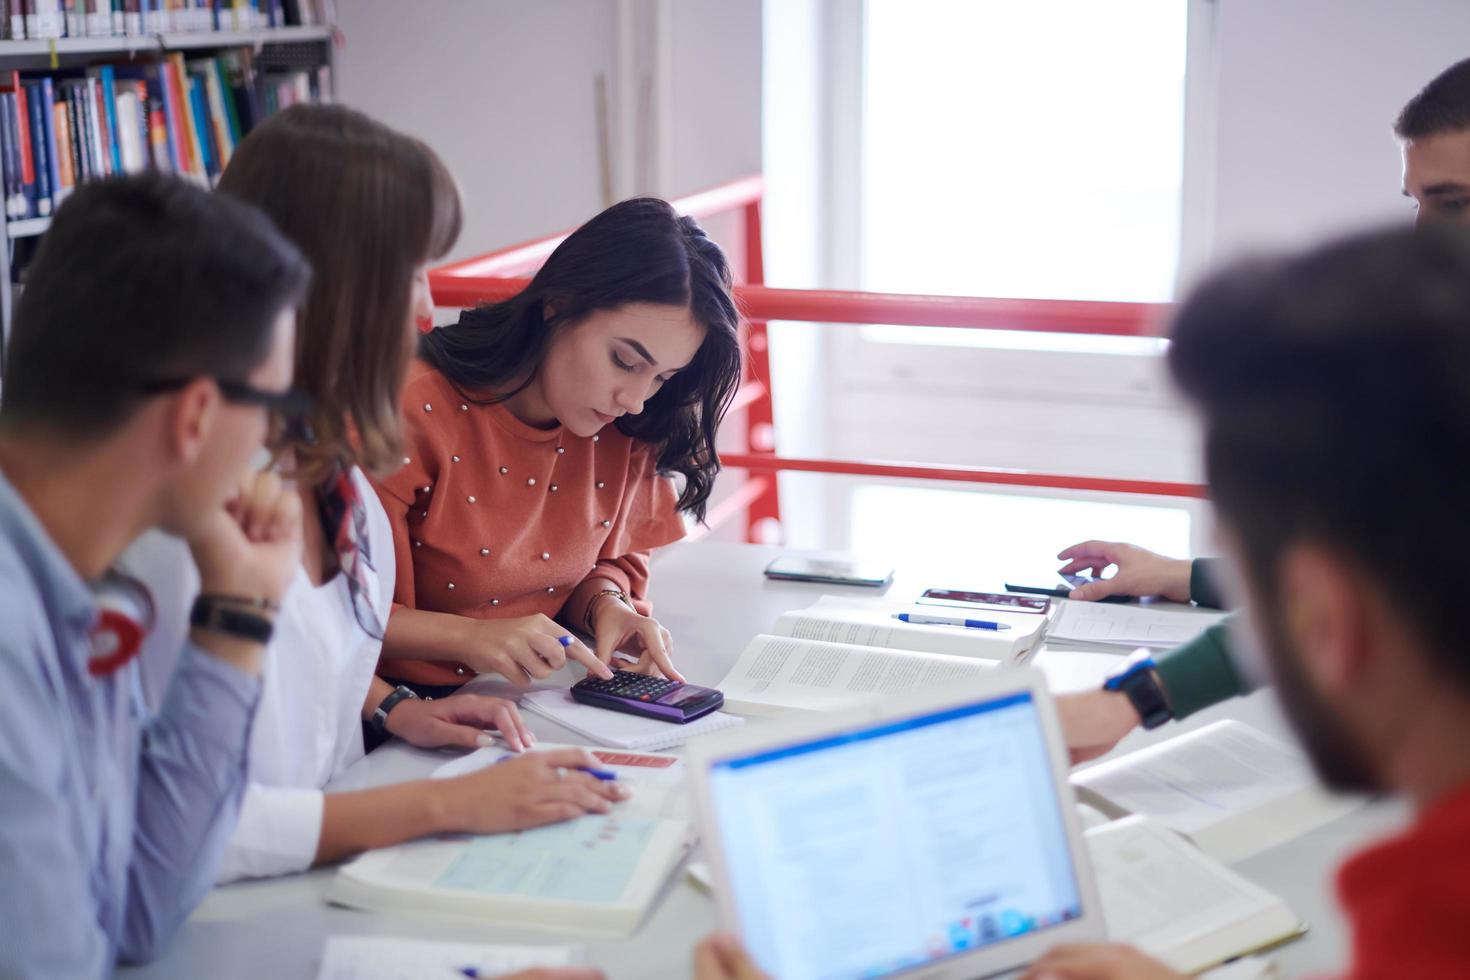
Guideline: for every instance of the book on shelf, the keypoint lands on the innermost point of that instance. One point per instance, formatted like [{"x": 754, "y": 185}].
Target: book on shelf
[
  {"x": 1232, "y": 790},
  {"x": 51, "y": 19},
  {"x": 1163, "y": 895},
  {"x": 839, "y": 653},
  {"x": 165, "y": 113}
]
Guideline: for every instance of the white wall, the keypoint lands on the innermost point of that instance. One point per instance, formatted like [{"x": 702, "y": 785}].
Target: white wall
[
  {"x": 505, "y": 91},
  {"x": 1307, "y": 92}
]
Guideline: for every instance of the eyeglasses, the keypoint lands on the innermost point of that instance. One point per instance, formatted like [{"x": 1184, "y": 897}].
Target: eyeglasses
[{"x": 290, "y": 411}]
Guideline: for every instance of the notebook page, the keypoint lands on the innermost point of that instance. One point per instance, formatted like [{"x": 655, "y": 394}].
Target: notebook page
[
  {"x": 1128, "y": 625},
  {"x": 377, "y": 958},
  {"x": 782, "y": 673}
]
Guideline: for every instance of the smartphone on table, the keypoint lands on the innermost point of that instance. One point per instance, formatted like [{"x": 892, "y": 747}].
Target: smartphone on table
[
  {"x": 831, "y": 571},
  {"x": 996, "y": 601},
  {"x": 1064, "y": 588}
]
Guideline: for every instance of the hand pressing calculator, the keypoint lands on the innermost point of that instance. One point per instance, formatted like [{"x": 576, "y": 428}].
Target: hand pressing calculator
[{"x": 652, "y": 697}]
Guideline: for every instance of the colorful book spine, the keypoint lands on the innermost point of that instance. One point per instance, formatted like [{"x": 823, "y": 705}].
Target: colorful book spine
[
  {"x": 47, "y": 97},
  {"x": 15, "y": 199},
  {"x": 66, "y": 173},
  {"x": 37, "y": 115}
]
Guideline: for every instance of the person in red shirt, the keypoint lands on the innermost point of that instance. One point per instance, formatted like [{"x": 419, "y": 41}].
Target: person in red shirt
[
  {"x": 1332, "y": 389},
  {"x": 1335, "y": 409}
]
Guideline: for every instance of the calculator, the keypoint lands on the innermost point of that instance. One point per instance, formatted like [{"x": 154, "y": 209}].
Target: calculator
[{"x": 652, "y": 697}]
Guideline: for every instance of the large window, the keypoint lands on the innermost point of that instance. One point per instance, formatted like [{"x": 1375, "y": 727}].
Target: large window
[{"x": 1022, "y": 149}]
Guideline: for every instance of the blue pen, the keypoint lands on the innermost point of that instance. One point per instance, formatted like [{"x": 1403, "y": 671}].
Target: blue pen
[
  {"x": 605, "y": 775},
  {"x": 969, "y": 624},
  {"x": 469, "y": 971}
]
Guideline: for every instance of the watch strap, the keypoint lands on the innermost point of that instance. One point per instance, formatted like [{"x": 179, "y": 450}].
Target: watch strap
[
  {"x": 1140, "y": 685},
  {"x": 226, "y": 615},
  {"x": 380, "y": 714}
]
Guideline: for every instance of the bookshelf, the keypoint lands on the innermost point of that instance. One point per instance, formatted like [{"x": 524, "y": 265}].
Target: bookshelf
[{"x": 272, "y": 52}]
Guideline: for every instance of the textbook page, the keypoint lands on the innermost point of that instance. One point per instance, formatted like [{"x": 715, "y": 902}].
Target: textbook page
[
  {"x": 833, "y": 619},
  {"x": 595, "y": 874},
  {"x": 376, "y": 958},
  {"x": 1162, "y": 895},
  {"x": 1121, "y": 624},
  {"x": 1231, "y": 789},
  {"x": 780, "y": 674}
]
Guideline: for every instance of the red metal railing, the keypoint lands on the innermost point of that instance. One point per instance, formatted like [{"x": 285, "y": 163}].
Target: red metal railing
[{"x": 495, "y": 276}]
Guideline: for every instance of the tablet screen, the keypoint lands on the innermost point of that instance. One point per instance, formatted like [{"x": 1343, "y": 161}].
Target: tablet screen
[{"x": 893, "y": 846}]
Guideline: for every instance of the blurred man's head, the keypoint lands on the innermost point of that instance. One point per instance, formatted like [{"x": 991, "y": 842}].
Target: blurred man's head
[
  {"x": 1335, "y": 393},
  {"x": 1434, "y": 130},
  {"x": 158, "y": 314}
]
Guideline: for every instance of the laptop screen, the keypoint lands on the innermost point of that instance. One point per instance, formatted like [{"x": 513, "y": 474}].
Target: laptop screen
[{"x": 892, "y": 846}]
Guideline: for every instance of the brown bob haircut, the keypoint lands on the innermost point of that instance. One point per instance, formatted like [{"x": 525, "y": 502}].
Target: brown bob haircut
[{"x": 368, "y": 206}]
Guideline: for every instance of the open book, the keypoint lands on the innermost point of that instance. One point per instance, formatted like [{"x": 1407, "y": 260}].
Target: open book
[
  {"x": 596, "y": 874},
  {"x": 833, "y": 619},
  {"x": 1232, "y": 790},
  {"x": 1165, "y": 897},
  {"x": 838, "y": 653}
]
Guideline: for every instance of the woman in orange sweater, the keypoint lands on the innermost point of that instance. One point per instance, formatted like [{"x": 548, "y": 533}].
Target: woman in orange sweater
[{"x": 544, "y": 433}]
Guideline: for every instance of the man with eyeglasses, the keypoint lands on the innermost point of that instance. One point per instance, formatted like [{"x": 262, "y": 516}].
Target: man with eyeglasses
[{"x": 152, "y": 349}]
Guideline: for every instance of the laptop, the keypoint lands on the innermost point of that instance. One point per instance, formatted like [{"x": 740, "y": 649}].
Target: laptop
[{"x": 932, "y": 838}]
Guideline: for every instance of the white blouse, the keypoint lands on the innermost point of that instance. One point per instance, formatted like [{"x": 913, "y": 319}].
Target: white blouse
[{"x": 315, "y": 677}]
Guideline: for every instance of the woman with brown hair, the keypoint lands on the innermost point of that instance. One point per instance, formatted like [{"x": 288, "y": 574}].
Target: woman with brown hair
[{"x": 370, "y": 208}]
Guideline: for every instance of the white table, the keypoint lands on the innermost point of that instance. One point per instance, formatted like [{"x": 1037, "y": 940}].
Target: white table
[{"x": 713, "y": 598}]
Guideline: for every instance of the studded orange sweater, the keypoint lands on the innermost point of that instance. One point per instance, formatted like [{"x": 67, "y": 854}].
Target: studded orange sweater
[{"x": 495, "y": 518}]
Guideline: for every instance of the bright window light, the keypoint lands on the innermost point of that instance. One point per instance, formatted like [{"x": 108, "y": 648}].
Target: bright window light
[{"x": 1026, "y": 150}]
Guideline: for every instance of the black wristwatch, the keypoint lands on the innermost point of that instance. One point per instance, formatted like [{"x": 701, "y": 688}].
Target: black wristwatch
[
  {"x": 380, "y": 716},
  {"x": 232, "y": 617},
  {"x": 1139, "y": 682}
]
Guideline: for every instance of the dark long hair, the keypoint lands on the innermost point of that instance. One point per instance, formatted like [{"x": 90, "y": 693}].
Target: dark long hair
[
  {"x": 368, "y": 205},
  {"x": 638, "y": 251}
]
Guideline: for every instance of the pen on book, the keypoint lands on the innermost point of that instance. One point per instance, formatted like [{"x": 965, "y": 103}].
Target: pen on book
[
  {"x": 606, "y": 775},
  {"x": 916, "y": 619}
]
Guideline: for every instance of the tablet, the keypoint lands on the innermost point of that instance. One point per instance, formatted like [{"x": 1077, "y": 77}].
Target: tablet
[{"x": 931, "y": 838}]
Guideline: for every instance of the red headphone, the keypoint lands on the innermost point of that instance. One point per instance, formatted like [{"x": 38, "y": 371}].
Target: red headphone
[{"x": 127, "y": 614}]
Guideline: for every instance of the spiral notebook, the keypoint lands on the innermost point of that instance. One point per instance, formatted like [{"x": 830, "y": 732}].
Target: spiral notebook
[{"x": 603, "y": 727}]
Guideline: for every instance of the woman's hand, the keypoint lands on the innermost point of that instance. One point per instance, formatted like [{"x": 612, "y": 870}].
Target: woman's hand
[
  {"x": 525, "y": 649},
  {"x": 1140, "y": 571},
  {"x": 460, "y": 719},
  {"x": 721, "y": 957},
  {"x": 617, "y": 626},
  {"x": 1099, "y": 961},
  {"x": 524, "y": 791}
]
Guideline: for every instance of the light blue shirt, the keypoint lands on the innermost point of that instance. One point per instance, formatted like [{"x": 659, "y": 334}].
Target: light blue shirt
[{"x": 112, "y": 821}]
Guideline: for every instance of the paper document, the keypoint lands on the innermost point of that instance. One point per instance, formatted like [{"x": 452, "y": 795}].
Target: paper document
[
  {"x": 376, "y": 958},
  {"x": 1231, "y": 789},
  {"x": 1128, "y": 625}
]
